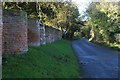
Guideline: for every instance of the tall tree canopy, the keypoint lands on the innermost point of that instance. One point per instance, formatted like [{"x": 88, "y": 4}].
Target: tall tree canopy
[{"x": 105, "y": 20}]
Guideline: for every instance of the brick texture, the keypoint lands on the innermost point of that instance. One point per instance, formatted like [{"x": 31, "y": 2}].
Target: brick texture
[
  {"x": 0, "y": 34},
  {"x": 39, "y": 34},
  {"x": 14, "y": 31},
  {"x": 33, "y": 32},
  {"x": 52, "y": 34},
  {"x": 19, "y": 32},
  {"x": 42, "y": 35}
]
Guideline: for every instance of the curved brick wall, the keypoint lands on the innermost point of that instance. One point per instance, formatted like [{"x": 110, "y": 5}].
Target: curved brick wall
[
  {"x": 14, "y": 31},
  {"x": 49, "y": 34},
  {"x": 19, "y": 32},
  {"x": 36, "y": 32},
  {"x": 52, "y": 34},
  {"x": 59, "y": 34},
  {"x": 39, "y": 34},
  {"x": 42, "y": 35},
  {"x": 33, "y": 32},
  {"x": 0, "y": 34}
]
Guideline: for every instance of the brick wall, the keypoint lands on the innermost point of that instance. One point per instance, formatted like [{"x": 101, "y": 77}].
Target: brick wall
[
  {"x": 14, "y": 31},
  {"x": 19, "y": 32},
  {"x": 0, "y": 34},
  {"x": 36, "y": 32},
  {"x": 39, "y": 34},
  {"x": 42, "y": 35},
  {"x": 57, "y": 34},
  {"x": 33, "y": 32},
  {"x": 52, "y": 34},
  {"x": 49, "y": 34}
]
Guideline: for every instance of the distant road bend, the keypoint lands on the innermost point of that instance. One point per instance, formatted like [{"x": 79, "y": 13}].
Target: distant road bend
[{"x": 96, "y": 61}]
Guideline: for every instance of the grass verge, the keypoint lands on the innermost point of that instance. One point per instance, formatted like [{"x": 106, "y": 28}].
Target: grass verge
[{"x": 55, "y": 60}]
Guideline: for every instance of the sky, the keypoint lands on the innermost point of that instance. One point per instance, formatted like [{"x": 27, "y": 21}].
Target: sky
[{"x": 81, "y": 4}]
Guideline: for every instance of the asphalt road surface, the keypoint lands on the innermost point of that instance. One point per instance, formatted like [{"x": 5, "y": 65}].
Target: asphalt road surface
[{"x": 96, "y": 61}]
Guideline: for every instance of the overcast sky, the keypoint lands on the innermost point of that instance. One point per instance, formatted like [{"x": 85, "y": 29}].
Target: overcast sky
[{"x": 82, "y": 4}]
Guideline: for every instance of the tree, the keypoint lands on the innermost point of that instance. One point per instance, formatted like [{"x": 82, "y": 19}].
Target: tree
[
  {"x": 105, "y": 20},
  {"x": 60, "y": 15}
]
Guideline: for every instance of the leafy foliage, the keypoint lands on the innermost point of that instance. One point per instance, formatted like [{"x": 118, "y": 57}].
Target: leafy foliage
[
  {"x": 60, "y": 15},
  {"x": 105, "y": 21}
]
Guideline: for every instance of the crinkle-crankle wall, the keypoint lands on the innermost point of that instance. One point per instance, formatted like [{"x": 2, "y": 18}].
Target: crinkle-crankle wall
[
  {"x": 52, "y": 34},
  {"x": 33, "y": 32},
  {"x": 14, "y": 31},
  {"x": 0, "y": 33}
]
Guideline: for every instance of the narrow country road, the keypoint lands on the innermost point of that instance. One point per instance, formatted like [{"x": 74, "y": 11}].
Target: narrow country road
[{"x": 96, "y": 61}]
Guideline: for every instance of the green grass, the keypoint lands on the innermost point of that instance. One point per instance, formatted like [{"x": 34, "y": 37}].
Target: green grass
[{"x": 55, "y": 60}]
